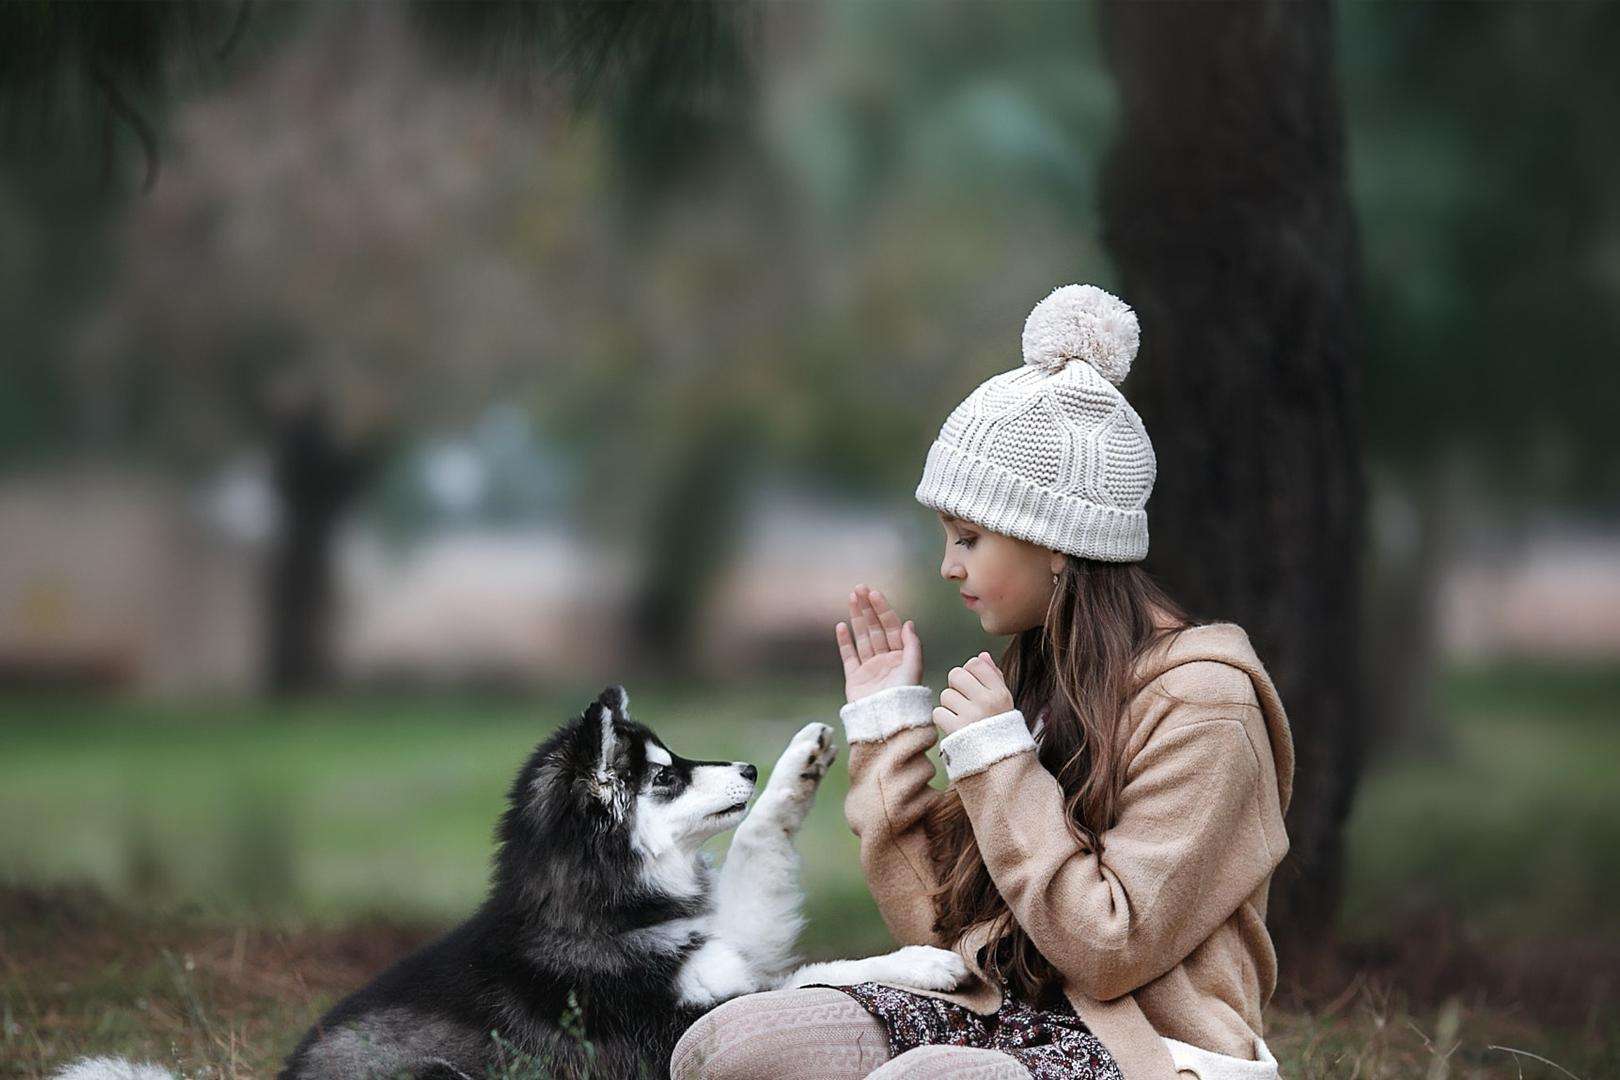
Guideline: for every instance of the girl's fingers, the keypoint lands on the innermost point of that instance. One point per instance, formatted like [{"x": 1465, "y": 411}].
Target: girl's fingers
[
  {"x": 992, "y": 694},
  {"x": 912, "y": 646},
  {"x": 984, "y": 669},
  {"x": 846, "y": 649},
  {"x": 857, "y": 626},
  {"x": 953, "y": 700},
  {"x": 887, "y": 619},
  {"x": 964, "y": 682},
  {"x": 874, "y": 628}
]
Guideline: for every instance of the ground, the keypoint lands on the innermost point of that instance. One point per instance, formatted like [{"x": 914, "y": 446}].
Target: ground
[{"x": 194, "y": 884}]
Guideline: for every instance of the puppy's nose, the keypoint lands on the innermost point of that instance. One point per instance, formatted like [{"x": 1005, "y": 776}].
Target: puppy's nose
[{"x": 748, "y": 771}]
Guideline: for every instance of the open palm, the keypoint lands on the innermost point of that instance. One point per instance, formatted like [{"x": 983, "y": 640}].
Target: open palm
[{"x": 878, "y": 650}]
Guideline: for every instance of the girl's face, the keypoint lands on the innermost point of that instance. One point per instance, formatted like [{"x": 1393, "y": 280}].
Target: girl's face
[{"x": 1009, "y": 580}]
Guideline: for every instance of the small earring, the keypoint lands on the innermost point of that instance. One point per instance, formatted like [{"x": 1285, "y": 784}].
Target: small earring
[{"x": 1054, "y": 577}]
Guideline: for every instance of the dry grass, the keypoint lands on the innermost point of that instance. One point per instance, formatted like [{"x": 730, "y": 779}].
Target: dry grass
[
  {"x": 1374, "y": 1030},
  {"x": 79, "y": 975}
]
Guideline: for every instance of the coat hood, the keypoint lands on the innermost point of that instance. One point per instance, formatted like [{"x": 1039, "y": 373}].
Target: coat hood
[{"x": 1229, "y": 643}]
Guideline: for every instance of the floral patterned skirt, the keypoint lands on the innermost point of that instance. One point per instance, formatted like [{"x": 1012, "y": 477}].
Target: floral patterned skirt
[{"x": 1053, "y": 1044}]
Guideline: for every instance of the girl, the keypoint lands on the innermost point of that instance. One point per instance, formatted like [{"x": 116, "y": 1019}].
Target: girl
[{"x": 1103, "y": 867}]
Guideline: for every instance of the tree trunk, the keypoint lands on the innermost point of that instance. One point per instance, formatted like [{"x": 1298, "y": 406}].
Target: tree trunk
[
  {"x": 690, "y": 535},
  {"x": 1401, "y": 638},
  {"x": 316, "y": 478},
  {"x": 1226, "y": 212}
]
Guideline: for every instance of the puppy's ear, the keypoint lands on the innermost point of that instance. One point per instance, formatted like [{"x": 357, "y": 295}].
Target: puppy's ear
[
  {"x": 616, "y": 698},
  {"x": 602, "y": 758},
  {"x": 607, "y": 750}
]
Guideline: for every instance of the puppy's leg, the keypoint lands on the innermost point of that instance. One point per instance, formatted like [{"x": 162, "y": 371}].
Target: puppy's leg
[
  {"x": 716, "y": 972},
  {"x": 758, "y": 896},
  {"x": 920, "y": 966}
]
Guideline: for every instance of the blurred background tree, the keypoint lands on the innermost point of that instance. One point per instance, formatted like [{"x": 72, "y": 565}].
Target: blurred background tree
[
  {"x": 369, "y": 248},
  {"x": 1490, "y": 239}
]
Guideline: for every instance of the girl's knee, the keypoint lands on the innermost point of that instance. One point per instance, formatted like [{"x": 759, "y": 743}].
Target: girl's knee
[
  {"x": 698, "y": 1053},
  {"x": 722, "y": 1043},
  {"x": 954, "y": 1062},
  {"x": 815, "y": 1034}
]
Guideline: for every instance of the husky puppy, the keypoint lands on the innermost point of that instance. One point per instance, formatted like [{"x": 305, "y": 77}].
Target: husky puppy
[{"x": 606, "y": 931}]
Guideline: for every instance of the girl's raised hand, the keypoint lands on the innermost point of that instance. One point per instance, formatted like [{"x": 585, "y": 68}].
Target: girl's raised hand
[
  {"x": 878, "y": 650},
  {"x": 976, "y": 690}
]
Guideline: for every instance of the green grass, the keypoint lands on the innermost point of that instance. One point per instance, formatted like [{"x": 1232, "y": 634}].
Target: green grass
[
  {"x": 1515, "y": 828},
  {"x": 326, "y": 811}
]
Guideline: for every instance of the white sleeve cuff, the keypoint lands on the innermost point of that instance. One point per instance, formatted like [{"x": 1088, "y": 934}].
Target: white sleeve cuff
[
  {"x": 982, "y": 743},
  {"x": 875, "y": 717}
]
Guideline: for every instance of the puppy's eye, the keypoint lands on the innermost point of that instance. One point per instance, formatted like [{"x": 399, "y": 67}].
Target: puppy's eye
[{"x": 664, "y": 777}]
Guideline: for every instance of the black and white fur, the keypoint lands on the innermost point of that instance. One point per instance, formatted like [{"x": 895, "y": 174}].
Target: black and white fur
[{"x": 606, "y": 931}]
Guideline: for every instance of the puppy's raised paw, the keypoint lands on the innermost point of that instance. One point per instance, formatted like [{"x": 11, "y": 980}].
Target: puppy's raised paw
[
  {"x": 815, "y": 743},
  {"x": 791, "y": 787},
  {"x": 804, "y": 763}
]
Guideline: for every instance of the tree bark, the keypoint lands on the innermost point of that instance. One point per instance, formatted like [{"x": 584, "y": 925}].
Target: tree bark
[{"x": 1226, "y": 211}]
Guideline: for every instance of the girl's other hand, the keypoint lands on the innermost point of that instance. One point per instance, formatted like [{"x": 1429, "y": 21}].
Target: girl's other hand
[
  {"x": 976, "y": 691},
  {"x": 878, "y": 650}
]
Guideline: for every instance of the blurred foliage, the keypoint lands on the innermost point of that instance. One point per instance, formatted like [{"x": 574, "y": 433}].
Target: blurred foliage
[
  {"x": 82, "y": 77},
  {"x": 54, "y": 256},
  {"x": 880, "y": 195},
  {"x": 424, "y": 209},
  {"x": 674, "y": 81},
  {"x": 79, "y": 76},
  {"x": 1483, "y": 169}
]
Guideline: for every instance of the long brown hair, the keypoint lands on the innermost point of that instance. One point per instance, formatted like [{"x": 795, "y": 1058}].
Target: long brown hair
[{"x": 1079, "y": 665}]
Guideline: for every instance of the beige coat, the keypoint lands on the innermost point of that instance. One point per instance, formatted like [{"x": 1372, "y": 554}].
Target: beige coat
[{"x": 1162, "y": 940}]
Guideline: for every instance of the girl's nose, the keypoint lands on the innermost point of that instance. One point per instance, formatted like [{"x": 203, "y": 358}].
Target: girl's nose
[{"x": 949, "y": 569}]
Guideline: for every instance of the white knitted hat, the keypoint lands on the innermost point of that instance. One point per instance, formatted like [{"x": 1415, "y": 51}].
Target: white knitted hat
[{"x": 1051, "y": 452}]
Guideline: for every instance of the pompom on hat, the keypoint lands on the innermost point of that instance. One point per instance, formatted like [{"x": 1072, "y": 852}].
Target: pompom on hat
[{"x": 1051, "y": 452}]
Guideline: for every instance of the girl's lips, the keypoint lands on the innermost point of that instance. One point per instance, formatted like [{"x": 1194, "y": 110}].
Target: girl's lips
[{"x": 969, "y": 600}]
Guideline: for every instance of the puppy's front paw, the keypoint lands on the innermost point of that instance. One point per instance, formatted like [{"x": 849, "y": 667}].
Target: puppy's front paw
[
  {"x": 926, "y": 968},
  {"x": 814, "y": 748},
  {"x": 792, "y": 785},
  {"x": 800, "y": 769}
]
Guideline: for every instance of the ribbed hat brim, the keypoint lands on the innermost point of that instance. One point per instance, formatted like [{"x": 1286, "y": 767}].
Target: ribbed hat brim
[{"x": 974, "y": 489}]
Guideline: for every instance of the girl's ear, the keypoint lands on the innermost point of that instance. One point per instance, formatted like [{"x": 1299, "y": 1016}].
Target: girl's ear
[{"x": 1058, "y": 562}]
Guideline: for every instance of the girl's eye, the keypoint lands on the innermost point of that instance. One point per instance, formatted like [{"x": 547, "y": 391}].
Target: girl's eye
[{"x": 966, "y": 541}]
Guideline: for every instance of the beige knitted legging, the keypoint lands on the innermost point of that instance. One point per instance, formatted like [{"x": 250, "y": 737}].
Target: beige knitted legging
[{"x": 817, "y": 1034}]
